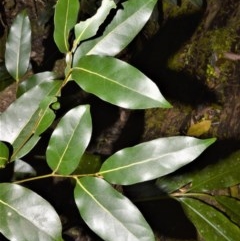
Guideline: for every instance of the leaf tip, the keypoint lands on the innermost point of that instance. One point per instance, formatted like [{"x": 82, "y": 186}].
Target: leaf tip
[{"x": 210, "y": 141}]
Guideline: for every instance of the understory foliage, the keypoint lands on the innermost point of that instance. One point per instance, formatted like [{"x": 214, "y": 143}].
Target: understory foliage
[{"x": 91, "y": 64}]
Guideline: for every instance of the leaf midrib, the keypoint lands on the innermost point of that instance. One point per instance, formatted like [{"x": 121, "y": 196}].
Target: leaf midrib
[
  {"x": 140, "y": 162},
  {"x": 113, "y": 81},
  {"x": 116, "y": 27},
  {"x": 23, "y": 216},
  {"x": 206, "y": 220},
  {"x": 101, "y": 206}
]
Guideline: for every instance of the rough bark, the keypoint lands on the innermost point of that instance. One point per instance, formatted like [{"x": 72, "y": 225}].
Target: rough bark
[{"x": 194, "y": 58}]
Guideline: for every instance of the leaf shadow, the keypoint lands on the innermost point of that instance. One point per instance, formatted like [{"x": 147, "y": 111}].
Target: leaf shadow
[{"x": 153, "y": 61}]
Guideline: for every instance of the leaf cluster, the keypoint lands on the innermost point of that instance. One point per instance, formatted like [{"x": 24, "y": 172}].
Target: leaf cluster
[{"x": 92, "y": 65}]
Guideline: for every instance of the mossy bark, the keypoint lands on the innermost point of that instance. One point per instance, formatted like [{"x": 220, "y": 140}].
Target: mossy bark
[{"x": 197, "y": 69}]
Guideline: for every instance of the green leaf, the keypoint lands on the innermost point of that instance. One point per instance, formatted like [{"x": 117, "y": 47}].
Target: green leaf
[
  {"x": 25, "y": 216},
  {"x": 117, "y": 82},
  {"x": 174, "y": 182},
  {"x": 69, "y": 140},
  {"x": 47, "y": 114},
  {"x": 120, "y": 32},
  {"x": 28, "y": 116},
  {"x": 108, "y": 213},
  {"x": 4, "y": 155},
  {"x": 223, "y": 174},
  {"x": 65, "y": 17},
  {"x": 18, "y": 46},
  {"x": 152, "y": 159},
  {"x": 89, "y": 28},
  {"x": 34, "y": 80},
  {"x": 27, "y": 145},
  {"x": 231, "y": 207},
  {"x": 210, "y": 223}
]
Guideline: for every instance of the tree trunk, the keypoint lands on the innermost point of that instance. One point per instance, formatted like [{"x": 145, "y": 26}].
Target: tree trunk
[{"x": 194, "y": 58}]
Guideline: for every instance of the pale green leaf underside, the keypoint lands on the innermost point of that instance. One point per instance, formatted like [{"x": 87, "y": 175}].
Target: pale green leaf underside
[
  {"x": 25, "y": 216},
  {"x": 117, "y": 82},
  {"x": 88, "y": 28},
  {"x": 65, "y": 17},
  {"x": 69, "y": 140},
  {"x": 108, "y": 213},
  {"x": 18, "y": 46},
  {"x": 121, "y": 31},
  {"x": 210, "y": 223},
  {"x": 152, "y": 159}
]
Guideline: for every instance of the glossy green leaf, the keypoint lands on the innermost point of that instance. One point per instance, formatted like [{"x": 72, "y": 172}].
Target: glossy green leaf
[
  {"x": 4, "y": 155},
  {"x": 117, "y": 82},
  {"x": 121, "y": 31},
  {"x": 26, "y": 118},
  {"x": 18, "y": 46},
  {"x": 223, "y": 174},
  {"x": 27, "y": 145},
  {"x": 34, "y": 80},
  {"x": 108, "y": 213},
  {"x": 152, "y": 159},
  {"x": 174, "y": 182},
  {"x": 25, "y": 216},
  {"x": 89, "y": 27},
  {"x": 231, "y": 207},
  {"x": 69, "y": 140},
  {"x": 210, "y": 223},
  {"x": 47, "y": 114},
  {"x": 65, "y": 17}
]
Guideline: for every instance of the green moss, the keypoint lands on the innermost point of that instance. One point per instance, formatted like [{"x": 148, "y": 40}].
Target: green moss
[
  {"x": 164, "y": 122},
  {"x": 203, "y": 57},
  {"x": 172, "y": 10}
]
